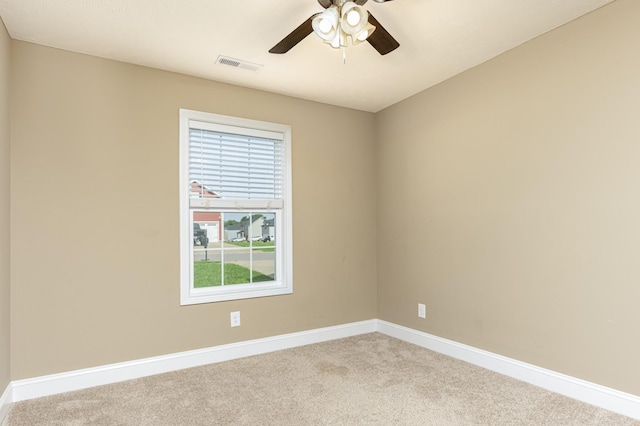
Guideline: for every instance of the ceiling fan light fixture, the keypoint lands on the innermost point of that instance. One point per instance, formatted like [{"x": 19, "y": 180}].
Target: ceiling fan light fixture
[
  {"x": 342, "y": 23},
  {"x": 335, "y": 43},
  {"x": 340, "y": 40},
  {"x": 353, "y": 18},
  {"x": 363, "y": 35},
  {"x": 325, "y": 24}
]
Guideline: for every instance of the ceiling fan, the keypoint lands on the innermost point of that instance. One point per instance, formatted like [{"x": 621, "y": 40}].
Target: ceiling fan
[{"x": 342, "y": 20}]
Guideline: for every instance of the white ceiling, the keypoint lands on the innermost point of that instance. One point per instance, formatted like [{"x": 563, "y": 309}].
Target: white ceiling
[{"x": 438, "y": 39}]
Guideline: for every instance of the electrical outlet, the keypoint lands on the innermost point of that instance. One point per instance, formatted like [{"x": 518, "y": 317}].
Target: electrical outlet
[
  {"x": 422, "y": 310},
  {"x": 235, "y": 319}
]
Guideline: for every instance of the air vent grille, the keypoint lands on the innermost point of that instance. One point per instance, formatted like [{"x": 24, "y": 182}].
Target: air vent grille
[{"x": 237, "y": 63}]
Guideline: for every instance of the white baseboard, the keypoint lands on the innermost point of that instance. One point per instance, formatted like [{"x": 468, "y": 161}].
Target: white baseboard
[
  {"x": 607, "y": 398},
  {"x": 5, "y": 402},
  {"x": 581, "y": 390},
  {"x": 112, "y": 373}
]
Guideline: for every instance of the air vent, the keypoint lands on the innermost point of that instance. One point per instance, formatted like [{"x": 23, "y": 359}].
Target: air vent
[{"x": 237, "y": 63}]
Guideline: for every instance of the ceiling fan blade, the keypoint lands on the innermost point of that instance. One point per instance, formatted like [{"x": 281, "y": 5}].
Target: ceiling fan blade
[
  {"x": 359, "y": 2},
  {"x": 380, "y": 39},
  {"x": 325, "y": 3},
  {"x": 295, "y": 37}
]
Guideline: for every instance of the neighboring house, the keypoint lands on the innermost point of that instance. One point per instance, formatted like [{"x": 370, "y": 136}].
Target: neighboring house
[
  {"x": 210, "y": 221},
  {"x": 259, "y": 227},
  {"x": 268, "y": 228},
  {"x": 232, "y": 232},
  {"x": 254, "y": 229}
]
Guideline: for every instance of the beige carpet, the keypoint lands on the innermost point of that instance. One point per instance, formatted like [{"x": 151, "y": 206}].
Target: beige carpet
[{"x": 371, "y": 379}]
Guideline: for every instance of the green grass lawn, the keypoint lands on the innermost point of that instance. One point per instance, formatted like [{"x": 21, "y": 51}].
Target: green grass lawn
[{"x": 208, "y": 274}]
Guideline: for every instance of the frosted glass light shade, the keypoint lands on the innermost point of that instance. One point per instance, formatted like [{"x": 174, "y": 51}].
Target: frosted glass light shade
[
  {"x": 325, "y": 25},
  {"x": 362, "y": 35},
  {"x": 340, "y": 40},
  {"x": 353, "y": 18}
]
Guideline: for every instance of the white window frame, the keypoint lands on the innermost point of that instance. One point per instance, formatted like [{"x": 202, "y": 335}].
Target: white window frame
[{"x": 284, "y": 276}]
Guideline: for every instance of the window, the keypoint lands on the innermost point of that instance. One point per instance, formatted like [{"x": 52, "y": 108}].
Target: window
[{"x": 235, "y": 208}]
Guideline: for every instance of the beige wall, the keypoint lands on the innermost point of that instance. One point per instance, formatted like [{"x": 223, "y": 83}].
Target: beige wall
[
  {"x": 5, "y": 44},
  {"x": 95, "y": 204},
  {"x": 511, "y": 203}
]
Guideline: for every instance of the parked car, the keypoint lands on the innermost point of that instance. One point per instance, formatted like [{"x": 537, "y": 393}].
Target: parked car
[{"x": 200, "y": 235}]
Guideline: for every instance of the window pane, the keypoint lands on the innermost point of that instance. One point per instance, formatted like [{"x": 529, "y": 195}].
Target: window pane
[
  {"x": 237, "y": 264},
  {"x": 233, "y": 248},
  {"x": 206, "y": 252},
  {"x": 264, "y": 265},
  {"x": 264, "y": 247},
  {"x": 206, "y": 273}
]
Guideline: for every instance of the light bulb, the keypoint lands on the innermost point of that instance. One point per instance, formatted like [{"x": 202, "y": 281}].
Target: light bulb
[
  {"x": 325, "y": 26},
  {"x": 353, "y": 18}
]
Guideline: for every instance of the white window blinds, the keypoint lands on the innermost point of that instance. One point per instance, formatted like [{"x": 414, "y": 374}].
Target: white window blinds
[{"x": 235, "y": 163}]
